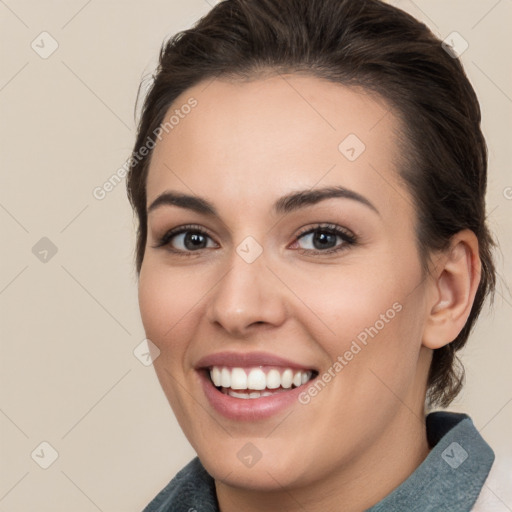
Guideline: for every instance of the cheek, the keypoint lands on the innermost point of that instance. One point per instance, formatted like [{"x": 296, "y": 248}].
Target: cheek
[
  {"x": 370, "y": 316},
  {"x": 345, "y": 303},
  {"x": 166, "y": 301}
]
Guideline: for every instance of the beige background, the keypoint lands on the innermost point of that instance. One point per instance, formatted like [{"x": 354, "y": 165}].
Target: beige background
[{"x": 69, "y": 325}]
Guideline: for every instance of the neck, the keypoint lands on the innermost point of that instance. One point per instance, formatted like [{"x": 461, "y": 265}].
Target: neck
[{"x": 387, "y": 463}]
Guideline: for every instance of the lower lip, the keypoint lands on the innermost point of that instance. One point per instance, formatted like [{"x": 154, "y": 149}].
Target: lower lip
[{"x": 248, "y": 409}]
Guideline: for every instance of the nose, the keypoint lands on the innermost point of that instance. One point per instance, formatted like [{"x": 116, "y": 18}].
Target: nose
[{"x": 248, "y": 297}]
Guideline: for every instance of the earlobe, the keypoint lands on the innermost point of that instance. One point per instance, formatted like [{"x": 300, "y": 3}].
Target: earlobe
[{"x": 454, "y": 284}]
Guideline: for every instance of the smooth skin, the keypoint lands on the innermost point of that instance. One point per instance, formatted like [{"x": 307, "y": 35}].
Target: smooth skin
[{"x": 244, "y": 146}]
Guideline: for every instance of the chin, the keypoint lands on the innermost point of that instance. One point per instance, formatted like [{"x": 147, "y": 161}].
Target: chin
[{"x": 268, "y": 470}]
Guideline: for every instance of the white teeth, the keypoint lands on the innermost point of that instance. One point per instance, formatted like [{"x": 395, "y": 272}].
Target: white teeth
[
  {"x": 215, "y": 374},
  {"x": 238, "y": 395},
  {"x": 287, "y": 379},
  {"x": 273, "y": 379},
  {"x": 238, "y": 379},
  {"x": 256, "y": 380},
  {"x": 246, "y": 396},
  {"x": 225, "y": 378}
]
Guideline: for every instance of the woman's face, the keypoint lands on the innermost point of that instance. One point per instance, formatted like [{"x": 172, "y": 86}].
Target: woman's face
[{"x": 275, "y": 288}]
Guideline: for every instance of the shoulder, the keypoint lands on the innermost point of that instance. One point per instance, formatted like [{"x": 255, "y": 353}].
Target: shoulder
[{"x": 191, "y": 489}]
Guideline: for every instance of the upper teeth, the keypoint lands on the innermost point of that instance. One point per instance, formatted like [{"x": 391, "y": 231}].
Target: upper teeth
[{"x": 257, "y": 379}]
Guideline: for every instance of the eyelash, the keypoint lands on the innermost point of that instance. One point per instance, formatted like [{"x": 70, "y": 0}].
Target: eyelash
[{"x": 348, "y": 238}]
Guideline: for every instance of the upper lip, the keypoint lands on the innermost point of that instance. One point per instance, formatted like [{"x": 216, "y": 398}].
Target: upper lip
[{"x": 248, "y": 359}]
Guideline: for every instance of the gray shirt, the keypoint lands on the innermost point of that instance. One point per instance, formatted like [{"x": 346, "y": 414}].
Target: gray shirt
[{"x": 449, "y": 479}]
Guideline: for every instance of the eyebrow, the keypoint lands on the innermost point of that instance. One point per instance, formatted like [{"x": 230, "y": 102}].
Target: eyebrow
[{"x": 286, "y": 204}]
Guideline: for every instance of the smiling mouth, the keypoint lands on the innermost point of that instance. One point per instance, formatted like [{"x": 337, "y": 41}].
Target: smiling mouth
[{"x": 257, "y": 382}]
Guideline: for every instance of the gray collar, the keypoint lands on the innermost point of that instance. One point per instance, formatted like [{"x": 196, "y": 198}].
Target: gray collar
[
  {"x": 450, "y": 478},
  {"x": 452, "y": 475}
]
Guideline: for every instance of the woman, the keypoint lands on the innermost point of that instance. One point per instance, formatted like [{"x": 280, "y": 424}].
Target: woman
[{"x": 309, "y": 180}]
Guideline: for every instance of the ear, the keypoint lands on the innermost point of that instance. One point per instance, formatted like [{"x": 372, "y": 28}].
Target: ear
[{"x": 454, "y": 282}]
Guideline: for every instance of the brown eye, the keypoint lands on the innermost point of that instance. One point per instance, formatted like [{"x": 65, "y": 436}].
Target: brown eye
[
  {"x": 325, "y": 239},
  {"x": 186, "y": 239}
]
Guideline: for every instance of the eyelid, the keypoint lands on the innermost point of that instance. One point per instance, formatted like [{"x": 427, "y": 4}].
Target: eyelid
[{"x": 328, "y": 227}]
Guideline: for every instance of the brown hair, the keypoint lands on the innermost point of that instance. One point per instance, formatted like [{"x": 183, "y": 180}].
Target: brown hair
[{"x": 365, "y": 43}]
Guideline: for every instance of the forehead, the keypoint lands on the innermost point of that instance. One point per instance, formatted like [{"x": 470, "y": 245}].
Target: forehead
[{"x": 269, "y": 136}]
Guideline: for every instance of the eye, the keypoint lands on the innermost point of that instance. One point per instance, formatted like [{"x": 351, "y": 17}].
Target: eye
[
  {"x": 325, "y": 239},
  {"x": 186, "y": 239},
  {"x": 321, "y": 239}
]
